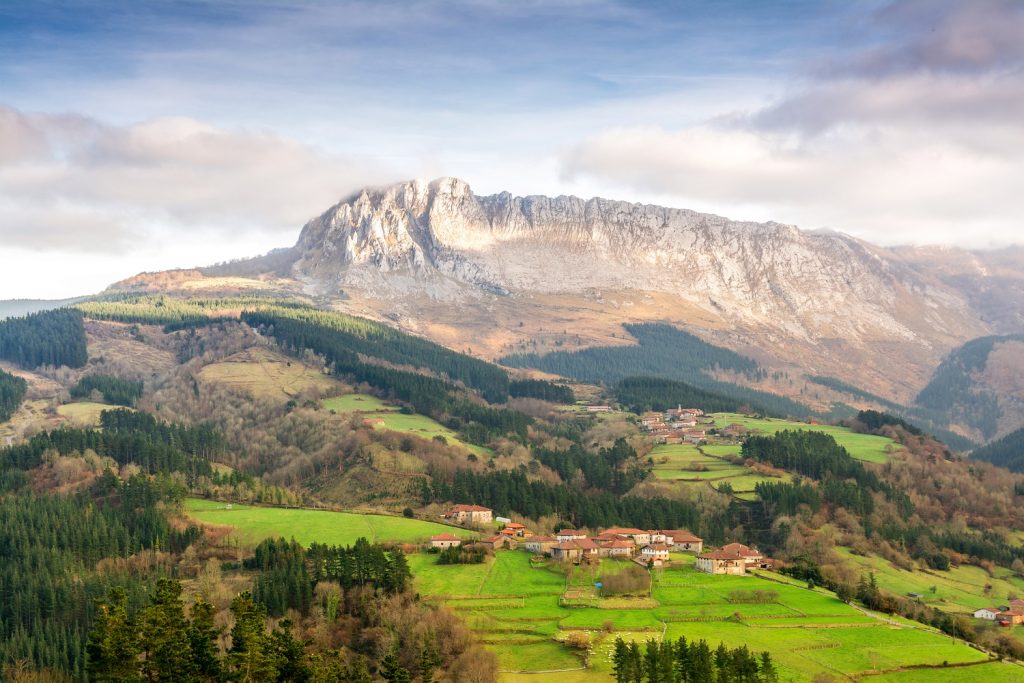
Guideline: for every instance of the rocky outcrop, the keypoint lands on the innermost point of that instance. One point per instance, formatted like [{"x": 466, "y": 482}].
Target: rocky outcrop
[{"x": 767, "y": 275}]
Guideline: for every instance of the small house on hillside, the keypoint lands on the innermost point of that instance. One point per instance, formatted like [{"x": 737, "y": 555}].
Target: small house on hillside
[
  {"x": 499, "y": 542},
  {"x": 567, "y": 552},
  {"x": 566, "y": 535},
  {"x": 469, "y": 514},
  {"x": 541, "y": 545},
  {"x": 1010, "y": 617},
  {"x": 655, "y": 552},
  {"x": 516, "y": 529},
  {"x": 734, "y": 558},
  {"x": 989, "y": 613},
  {"x": 444, "y": 541},
  {"x": 682, "y": 541}
]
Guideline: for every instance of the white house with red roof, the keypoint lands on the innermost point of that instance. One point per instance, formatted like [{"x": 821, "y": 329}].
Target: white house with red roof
[
  {"x": 734, "y": 558},
  {"x": 444, "y": 541}
]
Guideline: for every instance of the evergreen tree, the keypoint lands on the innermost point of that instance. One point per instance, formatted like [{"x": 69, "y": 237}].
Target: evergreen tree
[
  {"x": 164, "y": 637},
  {"x": 203, "y": 635},
  {"x": 113, "y": 649},
  {"x": 252, "y": 657}
]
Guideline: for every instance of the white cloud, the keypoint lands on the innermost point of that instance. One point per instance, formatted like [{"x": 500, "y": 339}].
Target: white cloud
[
  {"x": 913, "y": 140},
  {"x": 74, "y": 183}
]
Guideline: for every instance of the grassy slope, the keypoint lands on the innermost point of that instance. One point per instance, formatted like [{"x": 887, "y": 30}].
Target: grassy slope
[
  {"x": 866, "y": 447},
  {"x": 672, "y": 462},
  {"x": 84, "y": 413},
  {"x": 515, "y": 608},
  {"x": 373, "y": 408},
  {"x": 959, "y": 590},
  {"x": 266, "y": 374},
  {"x": 253, "y": 524}
]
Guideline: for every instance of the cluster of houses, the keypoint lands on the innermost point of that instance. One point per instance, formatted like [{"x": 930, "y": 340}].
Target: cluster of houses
[
  {"x": 1004, "y": 615},
  {"x": 649, "y": 548},
  {"x": 678, "y": 425}
]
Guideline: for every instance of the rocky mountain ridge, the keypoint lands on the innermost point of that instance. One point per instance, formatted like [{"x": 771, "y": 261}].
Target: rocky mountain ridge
[{"x": 805, "y": 285}]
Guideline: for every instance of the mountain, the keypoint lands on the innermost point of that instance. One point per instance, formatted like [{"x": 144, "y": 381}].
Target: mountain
[{"x": 499, "y": 275}]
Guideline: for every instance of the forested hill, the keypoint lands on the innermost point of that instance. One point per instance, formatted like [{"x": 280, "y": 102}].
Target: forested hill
[
  {"x": 664, "y": 352},
  {"x": 49, "y": 338},
  {"x": 955, "y": 392},
  {"x": 1007, "y": 452}
]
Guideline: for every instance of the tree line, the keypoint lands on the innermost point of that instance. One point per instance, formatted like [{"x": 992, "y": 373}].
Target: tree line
[
  {"x": 115, "y": 390},
  {"x": 655, "y": 393},
  {"x": 12, "y": 393},
  {"x": 615, "y": 469},
  {"x": 689, "y": 662},
  {"x": 507, "y": 492},
  {"x": 542, "y": 389},
  {"x": 309, "y": 328},
  {"x": 127, "y": 436},
  {"x": 54, "y": 338}
]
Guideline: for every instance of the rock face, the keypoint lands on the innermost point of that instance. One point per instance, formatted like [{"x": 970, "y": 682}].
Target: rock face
[{"x": 806, "y": 286}]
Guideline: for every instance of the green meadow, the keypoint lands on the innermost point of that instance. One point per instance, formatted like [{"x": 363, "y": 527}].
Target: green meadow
[
  {"x": 866, "y": 447},
  {"x": 389, "y": 418},
  {"x": 704, "y": 465},
  {"x": 960, "y": 590},
  {"x": 525, "y": 611},
  {"x": 252, "y": 524}
]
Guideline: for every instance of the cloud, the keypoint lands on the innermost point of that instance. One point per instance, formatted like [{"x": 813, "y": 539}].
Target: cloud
[
  {"x": 74, "y": 183},
  {"x": 914, "y": 138}
]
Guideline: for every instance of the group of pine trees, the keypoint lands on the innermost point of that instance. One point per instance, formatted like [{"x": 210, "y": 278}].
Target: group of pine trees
[
  {"x": 514, "y": 491},
  {"x": 615, "y": 469},
  {"x": 689, "y": 662},
  {"x": 47, "y": 338},
  {"x": 127, "y": 436},
  {"x": 159, "y": 643},
  {"x": 115, "y": 390},
  {"x": 12, "y": 393}
]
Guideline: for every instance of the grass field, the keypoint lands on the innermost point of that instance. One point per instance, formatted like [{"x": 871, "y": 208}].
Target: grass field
[
  {"x": 866, "y": 447},
  {"x": 265, "y": 374},
  {"x": 703, "y": 465},
  {"x": 388, "y": 417},
  {"x": 959, "y": 590},
  {"x": 83, "y": 413},
  {"x": 516, "y": 609},
  {"x": 253, "y": 524}
]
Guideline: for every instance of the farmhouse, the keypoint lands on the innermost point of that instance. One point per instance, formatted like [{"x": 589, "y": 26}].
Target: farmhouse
[
  {"x": 498, "y": 542},
  {"x": 567, "y": 551},
  {"x": 1010, "y": 617},
  {"x": 469, "y": 514},
  {"x": 443, "y": 541},
  {"x": 655, "y": 552},
  {"x": 566, "y": 535},
  {"x": 540, "y": 545},
  {"x": 989, "y": 613},
  {"x": 734, "y": 558},
  {"x": 639, "y": 536},
  {"x": 516, "y": 529},
  {"x": 621, "y": 548},
  {"x": 682, "y": 541}
]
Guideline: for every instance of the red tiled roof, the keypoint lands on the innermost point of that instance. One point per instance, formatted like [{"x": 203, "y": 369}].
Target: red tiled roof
[
  {"x": 659, "y": 547},
  {"x": 620, "y": 544},
  {"x": 541, "y": 539},
  {"x": 567, "y": 546},
  {"x": 570, "y": 532},
  {"x": 585, "y": 544},
  {"x": 622, "y": 531},
  {"x": 445, "y": 537},
  {"x": 515, "y": 525},
  {"x": 468, "y": 508},
  {"x": 682, "y": 536}
]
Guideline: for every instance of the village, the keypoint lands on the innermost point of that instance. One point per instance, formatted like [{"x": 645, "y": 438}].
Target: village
[
  {"x": 677, "y": 425},
  {"x": 648, "y": 548}
]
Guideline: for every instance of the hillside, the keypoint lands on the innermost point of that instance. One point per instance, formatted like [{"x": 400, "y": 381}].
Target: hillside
[{"x": 499, "y": 276}]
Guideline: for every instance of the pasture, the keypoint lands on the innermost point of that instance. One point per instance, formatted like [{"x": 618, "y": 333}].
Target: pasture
[
  {"x": 251, "y": 524},
  {"x": 262, "y": 373},
  {"x": 703, "y": 465},
  {"x": 384, "y": 416},
  {"x": 519, "y": 611},
  {"x": 866, "y": 447},
  {"x": 960, "y": 590},
  {"x": 83, "y": 413}
]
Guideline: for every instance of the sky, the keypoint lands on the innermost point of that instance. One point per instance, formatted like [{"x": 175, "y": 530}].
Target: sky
[{"x": 140, "y": 136}]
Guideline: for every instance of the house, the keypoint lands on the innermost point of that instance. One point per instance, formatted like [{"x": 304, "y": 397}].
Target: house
[
  {"x": 587, "y": 547},
  {"x": 540, "y": 545},
  {"x": 469, "y": 514},
  {"x": 566, "y": 535},
  {"x": 621, "y": 548},
  {"x": 989, "y": 613},
  {"x": 734, "y": 558},
  {"x": 656, "y": 553},
  {"x": 498, "y": 542},
  {"x": 517, "y": 530},
  {"x": 682, "y": 541},
  {"x": 1017, "y": 604},
  {"x": 1010, "y": 617},
  {"x": 444, "y": 541},
  {"x": 567, "y": 551}
]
